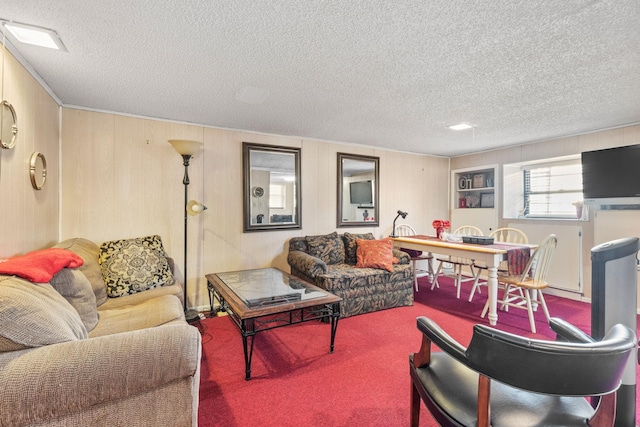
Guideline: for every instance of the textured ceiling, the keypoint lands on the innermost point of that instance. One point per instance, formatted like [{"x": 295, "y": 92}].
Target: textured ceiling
[{"x": 391, "y": 74}]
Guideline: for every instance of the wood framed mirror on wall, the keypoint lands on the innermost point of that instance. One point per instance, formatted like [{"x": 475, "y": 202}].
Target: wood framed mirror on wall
[
  {"x": 358, "y": 190},
  {"x": 271, "y": 187}
]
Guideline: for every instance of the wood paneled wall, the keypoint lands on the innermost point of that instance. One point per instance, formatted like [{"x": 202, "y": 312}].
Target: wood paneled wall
[
  {"x": 29, "y": 218},
  {"x": 121, "y": 178},
  {"x": 112, "y": 176},
  {"x": 556, "y": 148}
]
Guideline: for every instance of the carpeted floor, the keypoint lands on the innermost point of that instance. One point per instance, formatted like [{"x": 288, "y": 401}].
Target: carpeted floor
[{"x": 296, "y": 382}]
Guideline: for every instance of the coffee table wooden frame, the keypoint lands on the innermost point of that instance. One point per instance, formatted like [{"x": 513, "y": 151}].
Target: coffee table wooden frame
[{"x": 251, "y": 320}]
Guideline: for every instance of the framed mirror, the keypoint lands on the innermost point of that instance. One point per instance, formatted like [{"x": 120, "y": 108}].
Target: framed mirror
[
  {"x": 358, "y": 190},
  {"x": 271, "y": 187}
]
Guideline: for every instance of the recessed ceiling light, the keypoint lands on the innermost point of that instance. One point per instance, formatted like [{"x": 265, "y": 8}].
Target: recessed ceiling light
[
  {"x": 37, "y": 36},
  {"x": 460, "y": 126},
  {"x": 252, "y": 95}
]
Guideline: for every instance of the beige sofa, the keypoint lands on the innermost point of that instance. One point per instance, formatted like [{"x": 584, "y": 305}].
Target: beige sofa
[{"x": 84, "y": 359}]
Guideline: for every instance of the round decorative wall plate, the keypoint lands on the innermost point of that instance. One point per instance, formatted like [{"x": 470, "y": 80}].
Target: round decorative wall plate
[
  {"x": 34, "y": 167},
  {"x": 258, "y": 192},
  {"x": 8, "y": 126}
]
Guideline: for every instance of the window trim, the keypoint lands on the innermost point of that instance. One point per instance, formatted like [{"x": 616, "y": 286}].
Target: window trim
[{"x": 514, "y": 188}]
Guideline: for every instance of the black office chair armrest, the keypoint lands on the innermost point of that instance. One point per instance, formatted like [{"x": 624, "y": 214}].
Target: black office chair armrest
[
  {"x": 567, "y": 332},
  {"x": 439, "y": 337}
]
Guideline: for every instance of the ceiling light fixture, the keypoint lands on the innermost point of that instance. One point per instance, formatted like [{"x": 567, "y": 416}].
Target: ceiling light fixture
[
  {"x": 37, "y": 36},
  {"x": 252, "y": 95},
  {"x": 460, "y": 126}
]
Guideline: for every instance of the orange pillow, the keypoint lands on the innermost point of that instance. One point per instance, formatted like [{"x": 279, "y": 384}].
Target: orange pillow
[{"x": 375, "y": 253}]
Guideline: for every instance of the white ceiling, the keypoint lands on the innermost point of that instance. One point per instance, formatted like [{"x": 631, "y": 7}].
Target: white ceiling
[{"x": 391, "y": 74}]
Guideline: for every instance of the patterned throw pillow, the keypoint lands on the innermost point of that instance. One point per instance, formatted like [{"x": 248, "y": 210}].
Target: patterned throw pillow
[
  {"x": 134, "y": 265},
  {"x": 375, "y": 254},
  {"x": 328, "y": 247},
  {"x": 351, "y": 246}
]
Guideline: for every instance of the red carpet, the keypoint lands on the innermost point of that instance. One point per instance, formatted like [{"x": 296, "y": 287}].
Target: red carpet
[{"x": 365, "y": 382}]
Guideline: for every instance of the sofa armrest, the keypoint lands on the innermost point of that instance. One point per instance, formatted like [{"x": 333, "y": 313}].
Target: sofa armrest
[
  {"x": 403, "y": 257},
  {"x": 60, "y": 379},
  {"x": 307, "y": 264}
]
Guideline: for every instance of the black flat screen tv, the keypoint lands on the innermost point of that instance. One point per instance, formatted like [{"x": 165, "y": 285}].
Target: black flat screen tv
[
  {"x": 611, "y": 176},
  {"x": 361, "y": 193}
]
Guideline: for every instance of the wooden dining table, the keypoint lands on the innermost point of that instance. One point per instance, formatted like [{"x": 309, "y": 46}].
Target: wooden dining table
[{"x": 492, "y": 255}]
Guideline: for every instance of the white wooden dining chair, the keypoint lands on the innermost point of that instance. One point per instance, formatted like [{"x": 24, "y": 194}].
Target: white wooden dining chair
[
  {"x": 405, "y": 230},
  {"x": 501, "y": 235},
  {"x": 525, "y": 290},
  {"x": 459, "y": 264}
]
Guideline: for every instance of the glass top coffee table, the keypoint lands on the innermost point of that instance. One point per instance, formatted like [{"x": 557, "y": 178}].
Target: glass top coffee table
[{"x": 268, "y": 298}]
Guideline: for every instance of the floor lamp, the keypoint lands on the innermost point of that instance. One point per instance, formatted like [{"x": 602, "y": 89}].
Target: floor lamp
[{"x": 186, "y": 149}]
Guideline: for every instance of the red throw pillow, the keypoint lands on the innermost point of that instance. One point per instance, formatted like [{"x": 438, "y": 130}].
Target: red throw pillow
[
  {"x": 375, "y": 253},
  {"x": 40, "y": 266}
]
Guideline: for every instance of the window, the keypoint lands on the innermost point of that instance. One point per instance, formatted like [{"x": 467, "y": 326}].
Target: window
[
  {"x": 552, "y": 189},
  {"x": 277, "y": 196}
]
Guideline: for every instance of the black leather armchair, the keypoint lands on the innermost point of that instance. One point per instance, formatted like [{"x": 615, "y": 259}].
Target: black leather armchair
[{"x": 502, "y": 379}]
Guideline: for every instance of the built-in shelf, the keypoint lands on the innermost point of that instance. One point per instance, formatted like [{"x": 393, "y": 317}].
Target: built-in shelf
[
  {"x": 474, "y": 188},
  {"x": 474, "y": 197}
]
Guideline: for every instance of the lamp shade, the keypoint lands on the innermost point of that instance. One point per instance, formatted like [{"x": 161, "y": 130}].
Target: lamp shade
[
  {"x": 185, "y": 146},
  {"x": 194, "y": 207}
]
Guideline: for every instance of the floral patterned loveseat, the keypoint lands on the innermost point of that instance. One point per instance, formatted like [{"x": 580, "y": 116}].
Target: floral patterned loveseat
[{"x": 329, "y": 261}]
